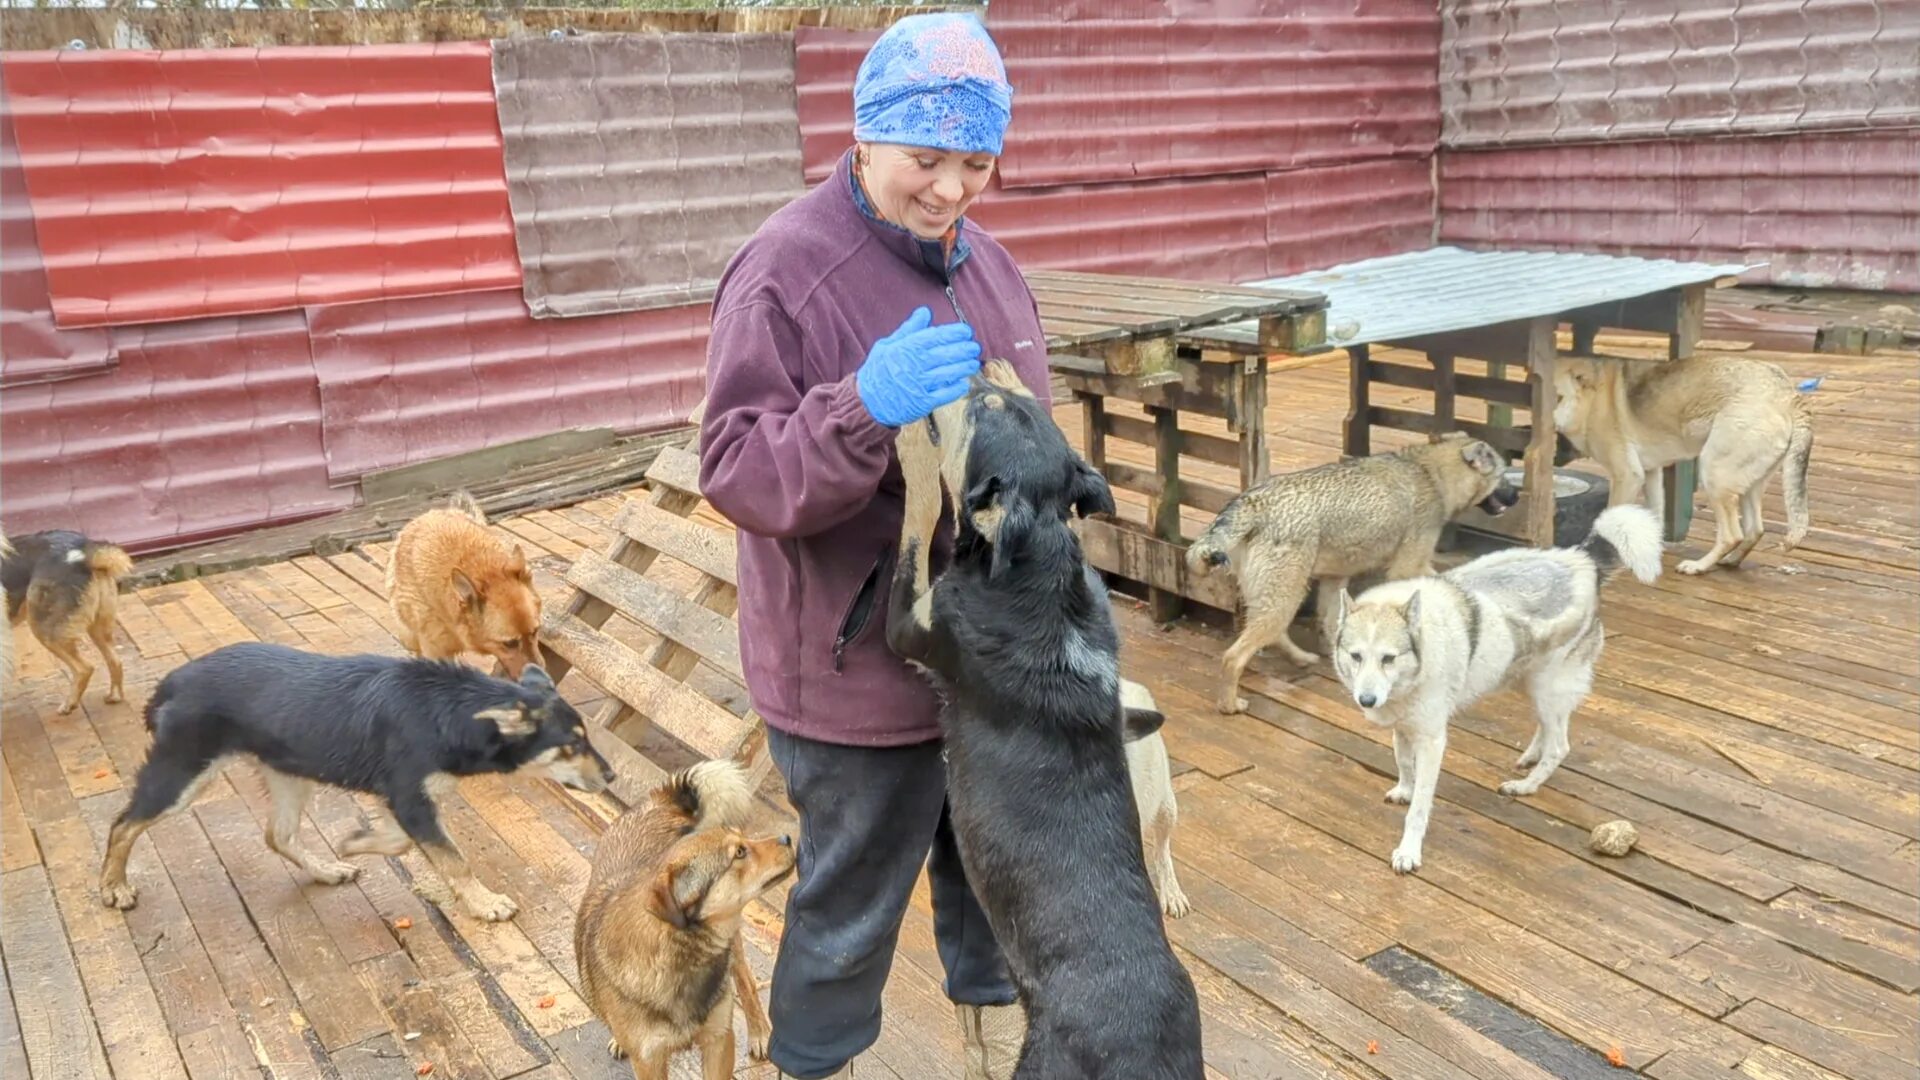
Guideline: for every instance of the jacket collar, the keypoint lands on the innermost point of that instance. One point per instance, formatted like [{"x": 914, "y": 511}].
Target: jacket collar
[{"x": 930, "y": 255}]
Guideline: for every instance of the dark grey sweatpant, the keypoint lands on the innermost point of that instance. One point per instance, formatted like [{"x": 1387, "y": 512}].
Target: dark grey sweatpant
[{"x": 869, "y": 818}]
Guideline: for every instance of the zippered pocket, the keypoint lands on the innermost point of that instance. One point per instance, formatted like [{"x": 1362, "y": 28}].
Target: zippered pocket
[{"x": 859, "y": 611}]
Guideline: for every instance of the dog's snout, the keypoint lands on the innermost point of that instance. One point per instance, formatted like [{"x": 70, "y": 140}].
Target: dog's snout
[
  {"x": 1368, "y": 701},
  {"x": 786, "y": 839}
]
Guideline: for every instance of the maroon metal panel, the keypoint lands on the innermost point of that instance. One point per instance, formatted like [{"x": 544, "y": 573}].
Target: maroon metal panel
[
  {"x": 824, "y": 64},
  {"x": 206, "y": 427},
  {"x": 1344, "y": 213},
  {"x": 638, "y": 163},
  {"x": 1210, "y": 229},
  {"x": 170, "y": 185},
  {"x": 1127, "y": 90},
  {"x": 403, "y": 381},
  {"x": 1822, "y": 210},
  {"x": 32, "y": 348},
  {"x": 1586, "y": 70}
]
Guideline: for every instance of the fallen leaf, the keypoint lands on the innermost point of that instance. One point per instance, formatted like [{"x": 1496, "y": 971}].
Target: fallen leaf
[
  {"x": 1373, "y": 1046},
  {"x": 404, "y": 923},
  {"x": 1616, "y": 1057},
  {"x": 546, "y": 1002},
  {"x": 425, "y": 1069}
]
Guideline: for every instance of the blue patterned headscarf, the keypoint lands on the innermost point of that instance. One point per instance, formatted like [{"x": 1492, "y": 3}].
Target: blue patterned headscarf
[{"x": 935, "y": 81}]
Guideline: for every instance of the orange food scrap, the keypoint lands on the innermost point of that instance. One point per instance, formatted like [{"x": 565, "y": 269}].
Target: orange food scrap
[
  {"x": 425, "y": 1069},
  {"x": 101, "y": 774},
  {"x": 1616, "y": 1057},
  {"x": 404, "y": 923},
  {"x": 546, "y": 1002},
  {"x": 1373, "y": 1046}
]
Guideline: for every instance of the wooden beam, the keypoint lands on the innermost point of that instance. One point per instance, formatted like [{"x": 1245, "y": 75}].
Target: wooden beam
[
  {"x": 1512, "y": 440},
  {"x": 705, "y": 549},
  {"x": 712, "y": 636},
  {"x": 1358, "y": 441},
  {"x": 1128, "y": 552},
  {"x": 1163, "y": 512},
  {"x": 1539, "y": 502},
  {"x": 1255, "y": 460},
  {"x": 1198, "y": 494},
  {"x": 1505, "y": 391},
  {"x": 676, "y": 708}
]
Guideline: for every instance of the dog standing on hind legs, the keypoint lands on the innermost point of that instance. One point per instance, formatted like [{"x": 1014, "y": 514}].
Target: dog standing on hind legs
[
  {"x": 65, "y": 587},
  {"x": 1414, "y": 653}
]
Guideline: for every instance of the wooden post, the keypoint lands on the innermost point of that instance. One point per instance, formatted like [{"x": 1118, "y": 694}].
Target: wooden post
[
  {"x": 1583, "y": 335},
  {"x": 1093, "y": 417},
  {"x": 1689, "y": 317},
  {"x": 1256, "y": 463},
  {"x": 1540, "y": 448},
  {"x": 1359, "y": 376},
  {"x": 1442, "y": 390},
  {"x": 1163, "y": 512}
]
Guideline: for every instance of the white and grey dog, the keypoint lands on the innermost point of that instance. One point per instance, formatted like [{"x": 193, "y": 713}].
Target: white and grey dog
[{"x": 1415, "y": 652}]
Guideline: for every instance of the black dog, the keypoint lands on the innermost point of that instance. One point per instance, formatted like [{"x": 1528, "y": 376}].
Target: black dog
[
  {"x": 404, "y": 730},
  {"x": 1021, "y": 641}
]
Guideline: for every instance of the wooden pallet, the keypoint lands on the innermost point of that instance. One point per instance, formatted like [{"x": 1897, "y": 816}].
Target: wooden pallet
[{"x": 692, "y": 627}]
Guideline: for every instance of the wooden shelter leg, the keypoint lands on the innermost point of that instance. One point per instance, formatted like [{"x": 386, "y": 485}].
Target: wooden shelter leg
[
  {"x": 1689, "y": 315},
  {"x": 1256, "y": 462},
  {"x": 1443, "y": 399},
  {"x": 1541, "y": 355},
  {"x": 1163, "y": 512},
  {"x": 1359, "y": 378}
]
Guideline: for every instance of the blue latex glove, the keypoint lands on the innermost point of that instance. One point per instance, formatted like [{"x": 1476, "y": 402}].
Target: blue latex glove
[{"x": 917, "y": 368}]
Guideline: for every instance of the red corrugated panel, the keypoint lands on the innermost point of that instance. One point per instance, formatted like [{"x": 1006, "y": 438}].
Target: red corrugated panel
[
  {"x": 170, "y": 185},
  {"x": 1107, "y": 90},
  {"x": 32, "y": 348},
  {"x": 1318, "y": 218},
  {"x": 1586, "y": 70},
  {"x": 1823, "y": 210},
  {"x": 824, "y": 63},
  {"x": 403, "y": 381},
  {"x": 206, "y": 427},
  {"x": 1202, "y": 230}
]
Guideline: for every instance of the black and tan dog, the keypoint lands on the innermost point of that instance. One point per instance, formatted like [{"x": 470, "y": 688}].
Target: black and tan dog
[
  {"x": 65, "y": 587},
  {"x": 1018, "y": 635},
  {"x": 658, "y": 932},
  {"x": 404, "y": 730}
]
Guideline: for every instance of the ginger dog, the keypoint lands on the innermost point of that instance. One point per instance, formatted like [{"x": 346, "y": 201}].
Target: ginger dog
[{"x": 456, "y": 587}]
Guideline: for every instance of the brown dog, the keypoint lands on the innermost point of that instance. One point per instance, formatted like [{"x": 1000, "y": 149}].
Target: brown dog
[
  {"x": 65, "y": 586},
  {"x": 659, "y": 925},
  {"x": 455, "y": 587}
]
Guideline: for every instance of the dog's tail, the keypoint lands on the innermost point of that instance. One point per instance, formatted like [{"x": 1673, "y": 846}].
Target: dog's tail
[
  {"x": 710, "y": 793},
  {"x": 1215, "y": 546},
  {"x": 1626, "y": 536},
  {"x": 109, "y": 561},
  {"x": 463, "y": 502},
  {"x": 1793, "y": 474}
]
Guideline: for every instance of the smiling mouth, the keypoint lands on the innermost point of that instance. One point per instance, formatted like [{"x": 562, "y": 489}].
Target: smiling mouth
[{"x": 932, "y": 211}]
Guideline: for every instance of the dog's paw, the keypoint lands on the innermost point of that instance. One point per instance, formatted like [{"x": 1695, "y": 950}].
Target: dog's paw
[
  {"x": 491, "y": 906},
  {"x": 67, "y": 708},
  {"x": 1694, "y": 566},
  {"x": 1399, "y": 793},
  {"x": 1304, "y": 659},
  {"x": 115, "y": 697},
  {"x": 1231, "y": 706},
  {"x": 1518, "y": 787},
  {"x": 757, "y": 1044},
  {"x": 1175, "y": 904},
  {"x": 613, "y": 1049},
  {"x": 336, "y": 873},
  {"x": 120, "y": 897},
  {"x": 1406, "y": 859}
]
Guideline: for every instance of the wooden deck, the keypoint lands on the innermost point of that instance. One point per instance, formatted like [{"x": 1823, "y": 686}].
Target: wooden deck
[{"x": 1759, "y": 727}]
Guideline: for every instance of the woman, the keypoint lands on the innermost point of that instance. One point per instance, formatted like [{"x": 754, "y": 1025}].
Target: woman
[{"x": 860, "y": 307}]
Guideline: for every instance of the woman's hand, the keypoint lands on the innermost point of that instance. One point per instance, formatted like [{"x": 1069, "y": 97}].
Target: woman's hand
[{"x": 917, "y": 368}]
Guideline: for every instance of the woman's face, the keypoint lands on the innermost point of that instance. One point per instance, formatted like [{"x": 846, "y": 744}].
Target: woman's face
[{"x": 923, "y": 191}]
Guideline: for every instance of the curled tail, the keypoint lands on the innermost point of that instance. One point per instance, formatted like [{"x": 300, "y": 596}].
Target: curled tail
[
  {"x": 1626, "y": 536},
  {"x": 461, "y": 502},
  {"x": 110, "y": 561},
  {"x": 710, "y": 793},
  {"x": 1793, "y": 474},
  {"x": 1214, "y": 546}
]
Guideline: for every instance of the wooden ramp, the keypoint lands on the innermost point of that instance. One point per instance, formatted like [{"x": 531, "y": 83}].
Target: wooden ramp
[{"x": 1762, "y": 729}]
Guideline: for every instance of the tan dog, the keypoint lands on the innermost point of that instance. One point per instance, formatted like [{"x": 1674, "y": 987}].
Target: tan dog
[
  {"x": 456, "y": 587},
  {"x": 1335, "y": 522},
  {"x": 65, "y": 587},
  {"x": 659, "y": 926},
  {"x": 1740, "y": 418}
]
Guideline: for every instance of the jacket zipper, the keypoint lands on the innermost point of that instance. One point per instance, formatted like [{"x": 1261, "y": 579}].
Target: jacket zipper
[
  {"x": 955, "y": 301},
  {"x": 859, "y": 613}
]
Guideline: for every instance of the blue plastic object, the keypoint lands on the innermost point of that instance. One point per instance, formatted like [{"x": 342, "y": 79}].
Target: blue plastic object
[{"x": 917, "y": 368}]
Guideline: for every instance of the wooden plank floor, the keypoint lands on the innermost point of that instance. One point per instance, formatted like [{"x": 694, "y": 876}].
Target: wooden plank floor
[{"x": 1759, "y": 727}]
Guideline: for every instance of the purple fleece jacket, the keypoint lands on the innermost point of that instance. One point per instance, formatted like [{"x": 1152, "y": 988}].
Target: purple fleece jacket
[{"x": 790, "y": 455}]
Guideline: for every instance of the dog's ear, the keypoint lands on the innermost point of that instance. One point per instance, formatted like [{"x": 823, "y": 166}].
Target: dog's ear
[
  {"x": 1091, "y": 493},
  {"x": 535, "y": 678},
  {"x": 1016, "y": 523},
  {"x": 464, "y": 588},
  {"x": 1484, "y": 459},
  {"x": 676, "y": 893},
  {"x": 518, "y": 565},
  {"x": 513, "y": 720},
  {"x": 983, "y": 495},
  {"x": 1346, "y": 607},
  {"x": 1411, "y": 611},
  {"x": 1140, "y": 723}
]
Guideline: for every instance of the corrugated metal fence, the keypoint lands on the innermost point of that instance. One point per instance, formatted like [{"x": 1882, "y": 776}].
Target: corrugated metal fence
[{"x": 1777, "y": 130}]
